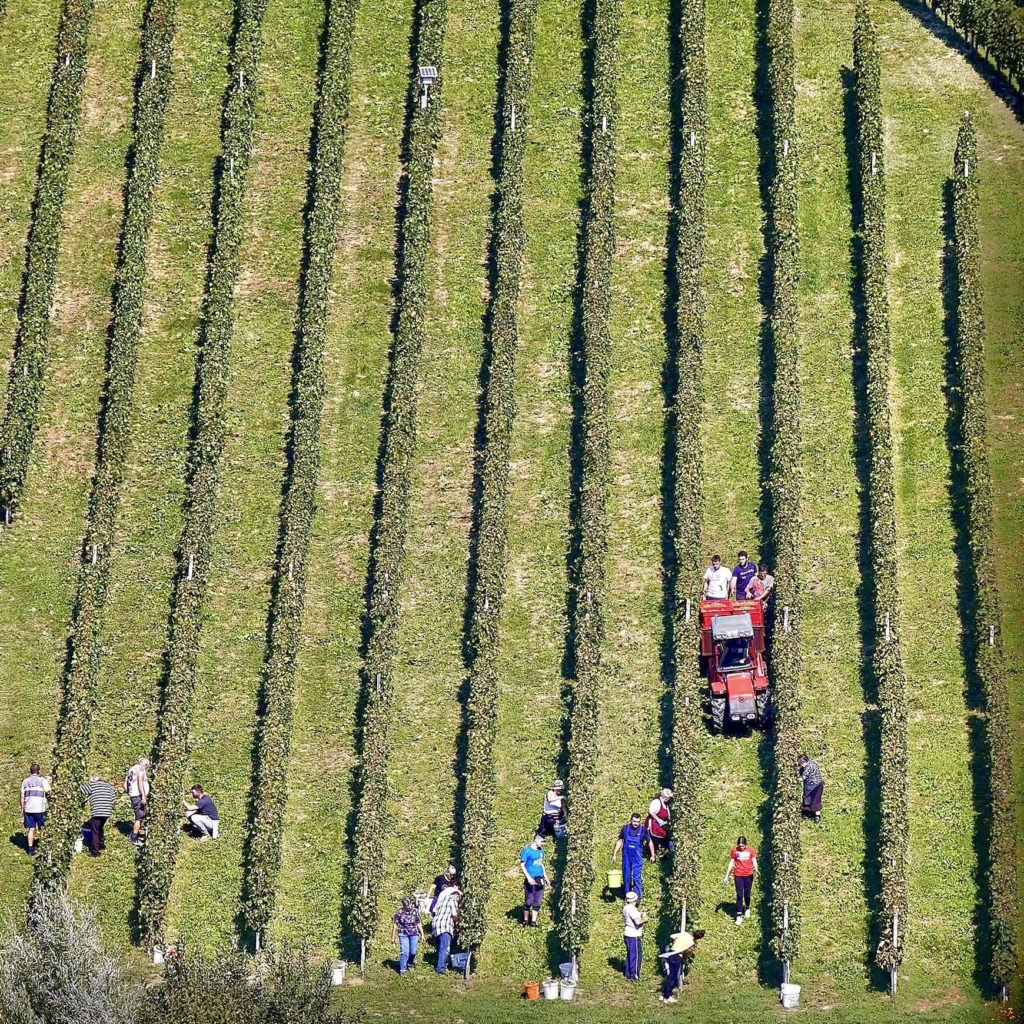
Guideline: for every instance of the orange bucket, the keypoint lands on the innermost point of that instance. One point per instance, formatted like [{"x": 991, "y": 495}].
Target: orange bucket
[{"x": 531, "y": 989}]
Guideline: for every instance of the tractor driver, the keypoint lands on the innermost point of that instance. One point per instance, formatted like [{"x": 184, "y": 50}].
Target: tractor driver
[{"x": 734, "y": 653}]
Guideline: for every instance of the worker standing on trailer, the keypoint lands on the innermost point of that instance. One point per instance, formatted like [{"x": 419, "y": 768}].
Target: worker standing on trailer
[
  {"x": 743, "y": 867},
  {"x": 743, "y": 572},
  {"x": 659, "y": 819},
  {"x": 760, "y": 586},
  {"x": 814, "y": 786},
  {"x": 717, "y": 580},
  {"x": 632, "y": 840}
]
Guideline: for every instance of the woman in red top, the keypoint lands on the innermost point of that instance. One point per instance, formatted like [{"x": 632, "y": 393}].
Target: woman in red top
[{"x": 742, "y": 866}]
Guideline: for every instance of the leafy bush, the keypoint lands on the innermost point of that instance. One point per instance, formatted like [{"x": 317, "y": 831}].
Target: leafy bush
[
  {"x": 174, "y": 719},
  {"x": 887, "y": 652},
  {"x": 263, "y": 846},
  {"x": 83, "y": 657},
  {"x": 492, "y": 527},
  {"x": 690, "y": 211},
  {"x": 31, "y": 346},
  {"x": 281, "y": 986},
  {"x": 987, "y": 641},
  {"x": 590, "y": 526},
  {"x": 784, "y": 483},
  {"x": 387, "y": 560},
  {"x": 54, "y": 969},
  {"x": 995, "y": 26}
]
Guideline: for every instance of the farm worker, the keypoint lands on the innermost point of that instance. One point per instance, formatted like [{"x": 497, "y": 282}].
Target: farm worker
[
  {"x": 407, "y": 930},
  {"x": 101, "y": 796},
  {"x": 136, "y": 785},
  {"x": 446, "y": 913},
  {"x": 554, "y": 809},
  {"x": 760, "y": 587},
  {"x": 203, "y": 815},
  {"x": 633, "y": 932},
  {"x": 814, "y": 786},
  {"x": 743, "y": 572},
  {"x": 717, "y": 580},
  {"x": 658, "y": 822},
  {"x": 632, "y": 839},
  {"x": 675, "y": 961},
  {"x": 445, "y": 879},
  {"x": 742, "y": 866},
  {"x": 534, "y": 879},
  {"x": 33, "y": 804}
]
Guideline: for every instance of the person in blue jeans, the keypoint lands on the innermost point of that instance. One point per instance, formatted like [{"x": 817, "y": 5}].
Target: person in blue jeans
[
  {"x": 446, "y": 913},
  {"x": 632, "y": 840},
  {"x": 407, "y": 928}
]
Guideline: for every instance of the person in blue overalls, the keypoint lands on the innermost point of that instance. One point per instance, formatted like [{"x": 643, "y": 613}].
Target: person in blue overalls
[{"x": 631, "y": 841}]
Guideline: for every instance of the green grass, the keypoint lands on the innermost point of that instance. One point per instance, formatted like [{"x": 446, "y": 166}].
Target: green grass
[{"x": 925, "y": 86}]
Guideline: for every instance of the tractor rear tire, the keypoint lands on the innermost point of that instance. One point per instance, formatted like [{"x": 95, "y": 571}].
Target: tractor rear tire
[
  {"x": 764, "y": 710},
  {"x": 717, "y": 715}
]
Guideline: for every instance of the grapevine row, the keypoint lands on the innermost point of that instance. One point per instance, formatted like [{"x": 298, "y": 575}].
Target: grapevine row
[
  {"x": 995, "y": 26},
  {"x": 387, "y": 561},
  {"x": 507, "y": 245},
  {"x": 690, "y": 212},
  {"x": 887, "y": 653},
  {"x": 28, "y": 366},
  {"x": 987, "y": 639},
  {"x": 590, "y": 527},
  {"x": 784, "y": 483},
  {"x": 74, "y": 731},
  {"x": 174, "y": 719},
  {"x": 262, "y": 862}
]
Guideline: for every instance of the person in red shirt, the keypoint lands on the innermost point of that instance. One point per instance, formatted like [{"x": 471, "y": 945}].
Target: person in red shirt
[
  {"x": 742, "y": 866},
  {"x": 658, "y": 823}
]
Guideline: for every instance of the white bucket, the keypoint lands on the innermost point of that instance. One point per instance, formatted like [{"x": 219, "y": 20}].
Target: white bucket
[
  {"x": 790, "y": 995},
  {"x": 567, "y": 989},
  {"x": 79, "y": 845},
  {"x": 338, "y": 973},
  {"x": 550, "y": 989},
  {"x": 423, "y": 904},
  {"x": 158, "y": 955}
]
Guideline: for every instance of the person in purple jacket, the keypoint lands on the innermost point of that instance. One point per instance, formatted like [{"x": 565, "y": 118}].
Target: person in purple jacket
[{"x": 743, "y": 572}]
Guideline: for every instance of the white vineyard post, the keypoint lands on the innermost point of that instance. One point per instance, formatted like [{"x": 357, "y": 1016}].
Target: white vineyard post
[{"x": 362, "y": 938}]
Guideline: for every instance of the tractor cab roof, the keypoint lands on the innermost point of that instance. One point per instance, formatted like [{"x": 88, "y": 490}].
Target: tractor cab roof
[{"x": 732, "y": 627}]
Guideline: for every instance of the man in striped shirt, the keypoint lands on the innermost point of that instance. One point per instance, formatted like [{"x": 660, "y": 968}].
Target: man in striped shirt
[
  {"x": 446, "y": 913},
  {"x": 101, "y": 796},
  {"x": 33, "y": 804}
]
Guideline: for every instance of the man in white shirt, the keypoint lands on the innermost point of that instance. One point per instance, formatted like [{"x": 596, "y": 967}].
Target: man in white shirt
[
  {"x": 136, "y": 785},
  {"x": 33, "y": 804},
  {"x": 716, "y": 580},
  {"x": 634, "y": 920}
]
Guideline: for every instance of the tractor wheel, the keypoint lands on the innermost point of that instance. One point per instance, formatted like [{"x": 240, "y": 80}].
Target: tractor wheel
[
  {"x": 717, "y": 715},
  {"x": 764, "y": 710}
]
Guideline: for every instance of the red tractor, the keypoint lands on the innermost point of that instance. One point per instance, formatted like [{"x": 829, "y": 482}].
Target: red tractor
[{"x": 732, "y": 649}]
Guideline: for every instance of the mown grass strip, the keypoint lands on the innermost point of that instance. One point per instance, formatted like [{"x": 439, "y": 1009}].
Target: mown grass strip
[
  {"x": 886, "y": 653},
  {"x": 174, "y": 719},
  {"x": 262, "y": 858},
  {"x": 491, "y": 534},
  {"x": 591, "y": 470},
  {"x": 689, "y": 199},
  {"x": 995, "y": 26},
  {"x": 74, "y": 727},
  {"x": 986, "y": 618},
  {"x": 31, "y": 345},
  {"x": 784, "y": 482},
  {"x": 387, "y": 561}
]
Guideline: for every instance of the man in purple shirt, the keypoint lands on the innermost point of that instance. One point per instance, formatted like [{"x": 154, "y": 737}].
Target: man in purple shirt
[{"x": 743, "y": 572}]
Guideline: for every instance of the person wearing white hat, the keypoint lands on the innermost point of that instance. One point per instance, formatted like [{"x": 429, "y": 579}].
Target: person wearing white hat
[
  {"x": 634, "y": 919},
  {"x": 659, "y": 818},
  {"x": 554, "y": 812},
  {"x": 682, "y": 946}
]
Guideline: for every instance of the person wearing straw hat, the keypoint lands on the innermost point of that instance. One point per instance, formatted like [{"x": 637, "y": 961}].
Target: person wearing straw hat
[
  {"x": 633, "y": 932},
  {"x": 680, "y": 950}
]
